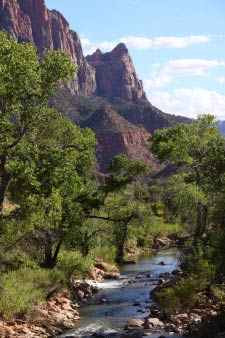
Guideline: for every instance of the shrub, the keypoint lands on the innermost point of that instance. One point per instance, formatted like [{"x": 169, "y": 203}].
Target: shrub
[
  {"x": 218, "y": 293},
  {"x": 183, "y": 294},
  {"x": 20, "y": 290},
  {"x": 106, "y": 252},
  {"x": 72, "y": 263},
  {"x": 200, "y": 262}
]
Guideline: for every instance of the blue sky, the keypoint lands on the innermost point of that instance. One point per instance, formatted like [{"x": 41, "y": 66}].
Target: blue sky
[{"x": 178, "y": 47}]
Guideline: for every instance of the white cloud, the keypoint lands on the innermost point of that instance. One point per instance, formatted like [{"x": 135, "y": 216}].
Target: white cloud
[
  {"x": 155, "y": 65},
  {"x": 107, "y": 45},
  {"x": 143, "y": 43},
  {"x": 221, "y": 79},
  {"x": 137, "y": 42},
  {"x": 180, "y": 69},
  {"x": 161, "y": 42},
  {"x": 86, "y": 42},
  {"x": 190, "y": 102}
]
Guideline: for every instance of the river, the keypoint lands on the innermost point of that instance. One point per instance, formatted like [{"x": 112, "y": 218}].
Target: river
[{"x": 113, "y": 307}]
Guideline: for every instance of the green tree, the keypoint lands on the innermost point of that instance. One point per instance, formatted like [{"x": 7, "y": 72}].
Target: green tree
[
  {"x": 199, "y": 149},
  {"x": 51, "y": 181},
  {"x": 25, "y": 87}
]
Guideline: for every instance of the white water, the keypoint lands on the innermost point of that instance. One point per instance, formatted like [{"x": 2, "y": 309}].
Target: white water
[{"x": 112, "y": 316}]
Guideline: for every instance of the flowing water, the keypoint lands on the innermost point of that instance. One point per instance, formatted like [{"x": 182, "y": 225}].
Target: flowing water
[{"x": 113, "y": 307}]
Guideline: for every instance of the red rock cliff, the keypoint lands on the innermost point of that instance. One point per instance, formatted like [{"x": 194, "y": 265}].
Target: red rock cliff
[
  {"x": 109, "y": 75},
  {"x": 30, "y": 20},
  {"x": 116, "y": 75}
]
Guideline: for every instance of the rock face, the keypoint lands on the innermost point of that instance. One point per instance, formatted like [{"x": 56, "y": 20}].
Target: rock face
[
  {"x": 116, "y": 135},
  {"x": 31, "y": 21},
  {"x": 108, "y": 75},
  {"x": 116, "y": 75}
]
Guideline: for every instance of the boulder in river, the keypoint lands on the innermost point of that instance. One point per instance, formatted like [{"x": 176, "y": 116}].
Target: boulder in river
[
  {"x": 154, "y": 293},
  {"x": 155, "y": 309},
  {"x": 151, "y": 322},
  {"x": 135, "y": 322},
  {"x": 129, "y": 261},
  {"x": 161, "y": 263}
]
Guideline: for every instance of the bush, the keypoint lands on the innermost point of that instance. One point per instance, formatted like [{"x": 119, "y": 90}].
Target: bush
[
  {"x": 183, "y": 294},
  {"x": 106, "y": 252},
  {"x": 200, "y": 262},
  {"x": 72, "y": 263},
  {"x": 20, "y": 290},
  {"x": 15, "y": 260},
  {"x": 218, "y": 293}
]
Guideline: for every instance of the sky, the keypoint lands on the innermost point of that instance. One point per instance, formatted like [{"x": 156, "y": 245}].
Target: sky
[{"x": 178, "y": 47}]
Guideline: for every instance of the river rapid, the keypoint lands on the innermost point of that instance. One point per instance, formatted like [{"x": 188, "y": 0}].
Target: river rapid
[{"x": 126, "y": 298}]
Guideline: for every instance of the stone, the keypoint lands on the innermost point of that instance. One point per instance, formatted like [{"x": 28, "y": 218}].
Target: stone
[
  {"x": 112, "y": 275},
  {"x": 116, "y": 76},
  {"x": 106, "y": 267},
  {"x": 152, "y": 321},
  {"x": 129, "y": 261},
  {"x": 155, "y": 309},
  {"x": 177, "y": 272},
  {"x": 136, "y": 303},
  {"x": 140, "y": 277},
  {"x": 135, "y": 322},
  {"x": 154, "y": 293},
  {"x": 161, "y": 263},
  {"x": 80, "y": 294},
  {"x": 31, "y": 21}
]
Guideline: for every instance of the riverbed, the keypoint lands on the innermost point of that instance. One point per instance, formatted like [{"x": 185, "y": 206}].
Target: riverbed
[{"x": 126, "y": 298}]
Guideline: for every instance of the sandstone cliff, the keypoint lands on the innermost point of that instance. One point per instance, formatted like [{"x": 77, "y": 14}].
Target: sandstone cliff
[
  {"x": 116, "y": 75},
  {"x": 108, "y": 75},
  {"x": 31, "y": 21},
  {"x": 124, "y": 127},
  {"x": 116, "y": 135}
]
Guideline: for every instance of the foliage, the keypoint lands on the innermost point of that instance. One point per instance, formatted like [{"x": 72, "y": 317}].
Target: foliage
[
  {"x": 72, "y": 263},
  {"x": 200, "y": 262},
  {"x": 21, "y": 289},
  {"x": 123, "y": 172},
  {"x": 106, "y": 251},
  {"x": 183, "y": 295}
]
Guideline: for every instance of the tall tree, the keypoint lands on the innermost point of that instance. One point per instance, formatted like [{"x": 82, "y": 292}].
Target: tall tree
[
  {"x": 199, "y": 149},
  {"x": 25, "y": 86}
]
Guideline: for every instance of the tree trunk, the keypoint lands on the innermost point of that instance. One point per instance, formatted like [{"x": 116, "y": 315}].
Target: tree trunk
[
  {"x": 202, "y": 213},
  {"x": 50, "y": 260},
  {"x": 85, "y": 245},
  {"x": 120, "y": 244},
  {"x": 5, "y": 179}
]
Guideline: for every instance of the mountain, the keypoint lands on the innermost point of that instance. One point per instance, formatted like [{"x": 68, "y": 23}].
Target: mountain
[
  {"x": 31, "y": 21},
  {"x": 116, "y": 75},
  {"x": 106, "y": 95},
  {"x": 117, "y": 135}
]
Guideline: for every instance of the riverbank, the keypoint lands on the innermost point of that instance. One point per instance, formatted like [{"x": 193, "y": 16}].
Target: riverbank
[
  {"x": 61, "y": 310},
  {"x": 126, "y": 299}
]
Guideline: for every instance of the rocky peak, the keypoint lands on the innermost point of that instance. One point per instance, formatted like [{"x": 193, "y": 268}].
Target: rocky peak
[
  {"x": 120, "y": 50},
  {"x": 108, "y": 75},
  {"x": 30, "y": 20},
  {"x": 116, "y": 135},
  {"x": 116, "y": 75}
]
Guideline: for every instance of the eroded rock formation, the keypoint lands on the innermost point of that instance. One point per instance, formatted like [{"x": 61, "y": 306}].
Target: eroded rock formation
[{"x": 116, "y": 75}]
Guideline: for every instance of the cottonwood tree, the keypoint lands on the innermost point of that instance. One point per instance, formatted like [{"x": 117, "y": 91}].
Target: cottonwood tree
[
  {"x": 26, "y": 84},
  {"x": 51, "y": 179},
  {"x": 199, "y": 149},
  {"x": 118, "y": 207}
]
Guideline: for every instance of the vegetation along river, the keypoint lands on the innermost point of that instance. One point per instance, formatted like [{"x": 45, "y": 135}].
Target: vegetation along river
[{"x": 113, "y": 307}]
